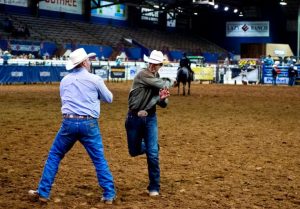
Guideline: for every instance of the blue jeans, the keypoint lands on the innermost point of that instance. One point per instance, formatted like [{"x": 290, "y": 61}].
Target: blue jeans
[
  {"x": 292, "y": 81},
  {"x": 88, "y": 133},
  {"x": 142, "y": 137},
  {"x": 274, "y": 81}
]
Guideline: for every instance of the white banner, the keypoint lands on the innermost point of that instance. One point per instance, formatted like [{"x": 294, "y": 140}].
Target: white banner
[
  {"x": 20, "y": 3},
  {"x": 67, "y": 6},
  {"x": 248, "y": 29},
  {"x": 28, "y": 48}
]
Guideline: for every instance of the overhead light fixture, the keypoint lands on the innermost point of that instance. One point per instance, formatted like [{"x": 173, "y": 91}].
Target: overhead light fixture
[
  {"x": 235, "y": 10},
  {"x": 226, "y": 8},
  {"x": 216, "y": 6},
  {"x": 209, "y": 2},
  {"x": 241, "y": 14},
  {"x": 282, "y": 2}
]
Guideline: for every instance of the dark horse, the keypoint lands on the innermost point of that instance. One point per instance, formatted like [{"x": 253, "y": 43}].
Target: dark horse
[{"x": 184, "y": 76}]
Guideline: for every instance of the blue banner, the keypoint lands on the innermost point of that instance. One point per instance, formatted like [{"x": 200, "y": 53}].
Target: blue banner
[
  {"x": 282, "y": 77},
  {"x": 31, "y": 74}
]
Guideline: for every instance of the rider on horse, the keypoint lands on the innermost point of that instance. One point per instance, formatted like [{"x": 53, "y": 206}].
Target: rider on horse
[{"x": 185, "y": 62}]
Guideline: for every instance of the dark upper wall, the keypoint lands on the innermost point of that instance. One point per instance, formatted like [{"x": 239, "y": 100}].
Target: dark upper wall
[{"x": 211, "y": 25}]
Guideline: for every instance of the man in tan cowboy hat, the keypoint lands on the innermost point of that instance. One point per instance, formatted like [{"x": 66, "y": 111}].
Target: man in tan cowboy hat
[
  {"x": 141, "y": 121},
  {"x": 80, "y": 93}
]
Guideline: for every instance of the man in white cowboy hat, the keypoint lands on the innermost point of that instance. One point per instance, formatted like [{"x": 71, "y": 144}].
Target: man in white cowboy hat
[
  {"x": 141, "y": 121},
  {"x": 80, "y": 93},
  {"x": 6, "y": 56}
]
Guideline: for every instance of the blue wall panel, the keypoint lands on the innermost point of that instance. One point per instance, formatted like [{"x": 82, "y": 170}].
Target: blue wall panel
[{"x": 31, "y": 74}]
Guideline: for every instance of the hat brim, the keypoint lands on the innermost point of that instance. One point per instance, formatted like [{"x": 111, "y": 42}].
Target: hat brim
[
  {"x": 152, "y": 61},
  {"x": 70, "y": 65}
]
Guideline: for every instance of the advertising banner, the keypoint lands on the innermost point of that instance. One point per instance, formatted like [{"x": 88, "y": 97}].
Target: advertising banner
[
  {"x": 117, "y": 11},
  {"x": 117, "y": 72},
  {"x": 102, "y": 72},
  {"x": 67, "y": 6},
  {"x": 171, "y": 20},
  {"x": 168, "y": 72},
  {"x": 248, "y": 29},
  {"x": 20, "y": 3},
  {"x": 25, "y": 48},
  {"x": 30, "y": 74},
  {"x": 204, "y": 73}
]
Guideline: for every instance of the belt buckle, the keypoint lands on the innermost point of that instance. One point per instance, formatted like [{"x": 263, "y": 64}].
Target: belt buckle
[{"x": 142, "y": 113}]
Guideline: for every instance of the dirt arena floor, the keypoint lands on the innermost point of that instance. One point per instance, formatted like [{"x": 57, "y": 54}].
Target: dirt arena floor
[{"x": 222, "y": 147}]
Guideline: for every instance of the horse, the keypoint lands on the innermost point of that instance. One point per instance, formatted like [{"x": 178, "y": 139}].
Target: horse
[{"x": 184, "y": 76}]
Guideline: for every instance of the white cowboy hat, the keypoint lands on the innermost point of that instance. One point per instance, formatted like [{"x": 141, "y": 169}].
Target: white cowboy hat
[
  {"x": 156, "y": 57},
  {"x": 77, "y": 57}
]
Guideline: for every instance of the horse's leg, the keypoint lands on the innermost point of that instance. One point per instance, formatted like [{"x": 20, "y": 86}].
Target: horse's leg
[
  {"x": 178, "y": 88},
  {"x": 183, "y": 88},
  {"x": 189, "y": 87}
]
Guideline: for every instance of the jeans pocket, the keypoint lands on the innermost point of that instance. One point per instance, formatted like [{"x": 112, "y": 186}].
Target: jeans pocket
[
  {"x": 92, "y": 128},
  {"x": 65, "y": 128}
]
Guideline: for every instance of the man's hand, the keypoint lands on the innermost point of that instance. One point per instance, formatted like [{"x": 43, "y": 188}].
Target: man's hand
[{"x": 164, "y": 93}]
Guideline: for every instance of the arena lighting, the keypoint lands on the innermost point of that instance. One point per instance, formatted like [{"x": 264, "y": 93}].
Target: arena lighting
[
  {"x": 209, "y": 2},
  {"x": 283, "y": 3},
  {"x": 235, "y": 10},
  {"x": 241, "y": 14},
  {"x": 216, "y": 6},
  {"x": 226, "y": 8},
  {"x": 195, "y": 13}
]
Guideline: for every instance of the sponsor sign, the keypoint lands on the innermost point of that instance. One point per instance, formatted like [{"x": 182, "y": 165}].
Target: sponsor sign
[
  {"x": 171, "y": 20},
  {"x": 168, "y": 72},
  {"x": 45, "y": 73},
  {"x": 101, "y": 72},
  {"x": 132, "y": 71},
  {"x": 248, "y": 29},
  {"x": 117, "y": 12},
  {"x": 117, "y": 72},
  {"x": 68, "y": 6},
  {"x": 22, "y": 47},
  {"x": 279, "y": 80},
  {"x": 204, "y": 73},
  {"x": 20, "y": 3},
  {"x": 16, "y": 74},
  {"x": 149, "y": 15}
]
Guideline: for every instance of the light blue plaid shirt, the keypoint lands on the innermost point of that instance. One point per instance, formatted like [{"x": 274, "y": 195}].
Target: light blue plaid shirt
[{"x": 81, "y": 92}]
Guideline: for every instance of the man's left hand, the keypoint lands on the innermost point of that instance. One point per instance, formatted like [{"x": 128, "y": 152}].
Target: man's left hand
[{"x": 164, "y": 93}]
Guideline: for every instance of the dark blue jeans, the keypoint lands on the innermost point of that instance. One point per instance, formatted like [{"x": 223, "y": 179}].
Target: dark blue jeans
[
  {"x": 274, "y": 81},
  {"x": 88, "y": 133},
  {"x": 142, "y": 137},
  {"x": 292, "y": 81}
]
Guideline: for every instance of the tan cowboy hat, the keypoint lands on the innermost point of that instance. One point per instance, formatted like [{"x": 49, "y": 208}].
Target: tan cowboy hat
[
  {"x": 156, "y": 57},
  {"x": 77, "y": 57}
]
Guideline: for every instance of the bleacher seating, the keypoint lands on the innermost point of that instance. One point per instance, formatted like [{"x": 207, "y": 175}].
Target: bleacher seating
[{"x": 66, "y": 31}]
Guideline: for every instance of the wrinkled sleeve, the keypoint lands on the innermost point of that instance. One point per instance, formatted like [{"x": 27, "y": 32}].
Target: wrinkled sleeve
[
  {"x": 149, "y": 80},
  {"x": 104, "y": 93},
  {"x": 163, "y": 103}
]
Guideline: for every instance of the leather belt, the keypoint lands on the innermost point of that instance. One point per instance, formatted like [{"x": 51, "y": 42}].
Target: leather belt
[
  {"x": 140, "y": 113},
  {"x": 77, "y": 116}
]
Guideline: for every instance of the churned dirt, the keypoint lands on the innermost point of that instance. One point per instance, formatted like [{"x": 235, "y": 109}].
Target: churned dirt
[{"x": 221, "y": 147}]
